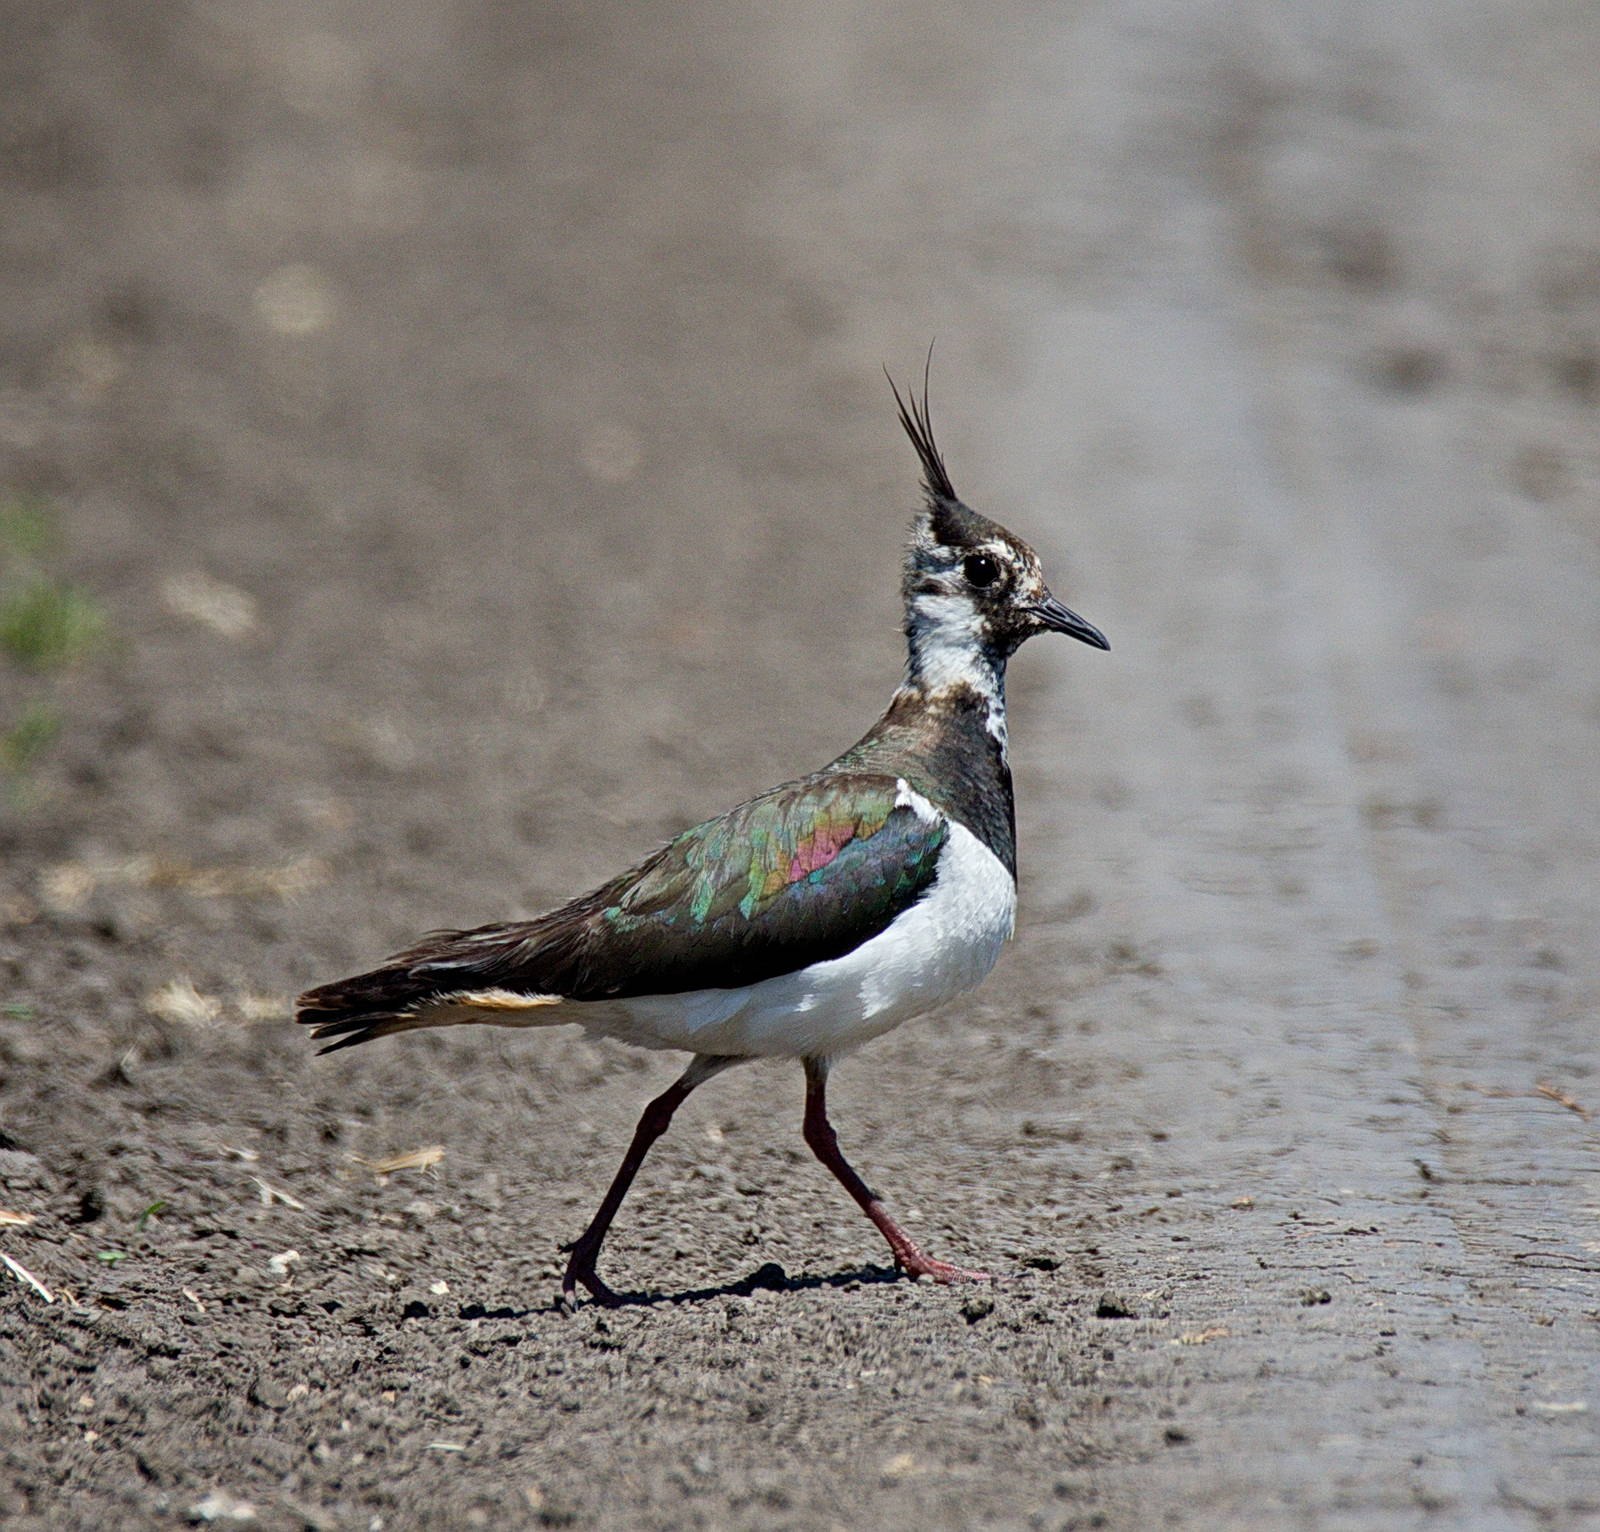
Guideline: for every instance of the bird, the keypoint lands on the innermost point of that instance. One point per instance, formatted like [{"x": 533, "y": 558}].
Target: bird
[{"x": 804, "y": 922}]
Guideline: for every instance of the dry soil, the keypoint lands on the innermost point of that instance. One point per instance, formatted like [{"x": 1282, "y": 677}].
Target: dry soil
[{"x": 469, "y": 417}]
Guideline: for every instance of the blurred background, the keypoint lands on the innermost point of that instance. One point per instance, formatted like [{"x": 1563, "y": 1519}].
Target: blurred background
[
  {"x": 486, "y": 406},
  {"x": 444, "y": 449}
]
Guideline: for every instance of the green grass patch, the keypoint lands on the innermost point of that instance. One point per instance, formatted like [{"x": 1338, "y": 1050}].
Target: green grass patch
[
  {"x": 47, "y": 624},
  {"x": 29, "y": 737}
]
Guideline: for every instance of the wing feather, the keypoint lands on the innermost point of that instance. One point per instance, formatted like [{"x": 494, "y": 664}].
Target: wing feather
[{"x": 804, "y": 873}]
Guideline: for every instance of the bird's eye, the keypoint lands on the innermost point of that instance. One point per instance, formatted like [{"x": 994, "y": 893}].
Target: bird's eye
[{"x": 981, "y": 570}]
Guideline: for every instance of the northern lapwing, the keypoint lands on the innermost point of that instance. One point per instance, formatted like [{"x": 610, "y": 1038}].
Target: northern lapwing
[{"x": 805, "y": 922}]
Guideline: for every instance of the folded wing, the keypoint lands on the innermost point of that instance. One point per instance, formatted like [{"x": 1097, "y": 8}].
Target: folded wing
[{"x": 797, "y": 876}]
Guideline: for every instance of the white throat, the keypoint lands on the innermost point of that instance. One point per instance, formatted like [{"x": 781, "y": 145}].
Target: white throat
[{"x": 947, "y": 650}]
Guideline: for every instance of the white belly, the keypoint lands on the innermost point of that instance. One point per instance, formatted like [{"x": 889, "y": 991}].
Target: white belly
[{"x": 942, "y": 945}]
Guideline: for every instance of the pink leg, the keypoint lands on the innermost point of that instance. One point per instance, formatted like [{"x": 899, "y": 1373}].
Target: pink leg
[
  {"x": 824, "y": 1144},
  {"x": 585, "y": 1250}
]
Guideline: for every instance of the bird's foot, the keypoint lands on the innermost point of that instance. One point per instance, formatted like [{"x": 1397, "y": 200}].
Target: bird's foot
[
  {"x": 915, "y": 1264},
  {"x": 581, "y": 1273}
]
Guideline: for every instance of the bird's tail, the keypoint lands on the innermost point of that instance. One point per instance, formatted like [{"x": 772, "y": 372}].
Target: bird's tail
[{"x": 443, "y": 981}]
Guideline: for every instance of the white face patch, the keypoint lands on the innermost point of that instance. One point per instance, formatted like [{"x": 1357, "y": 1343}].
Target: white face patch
[
  {"x": 947, "y": 644},
  {"x": 964, "y": 613},
  {"x": 947, "y": 650}
]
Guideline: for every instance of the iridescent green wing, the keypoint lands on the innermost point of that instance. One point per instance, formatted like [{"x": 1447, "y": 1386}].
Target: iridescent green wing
[{"x": 800, "y": 875}]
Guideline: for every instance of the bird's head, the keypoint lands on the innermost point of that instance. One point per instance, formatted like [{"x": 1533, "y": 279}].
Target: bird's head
[{"x": 974, "y": 592}]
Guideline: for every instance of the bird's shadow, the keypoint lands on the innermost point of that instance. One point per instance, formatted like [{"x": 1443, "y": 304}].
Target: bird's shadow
[{"x": 768, "y": 1277}]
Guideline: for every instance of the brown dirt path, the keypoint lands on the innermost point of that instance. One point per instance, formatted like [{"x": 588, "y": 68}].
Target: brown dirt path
[{"x": 520, "y": 371}]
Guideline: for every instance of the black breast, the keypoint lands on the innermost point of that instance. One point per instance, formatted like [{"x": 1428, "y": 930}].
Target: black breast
[{"x": 942, "y": 747}]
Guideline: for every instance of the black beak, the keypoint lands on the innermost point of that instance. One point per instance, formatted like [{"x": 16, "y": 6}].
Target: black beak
[{"x": 1059, "y": 619}]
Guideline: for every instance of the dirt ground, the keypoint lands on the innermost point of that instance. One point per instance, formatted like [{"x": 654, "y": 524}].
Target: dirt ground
[{"x": 469, "y": 417}]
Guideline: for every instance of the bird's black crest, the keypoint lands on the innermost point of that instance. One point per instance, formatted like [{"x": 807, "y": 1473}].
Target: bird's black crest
[{"x": 918, "y": 423}]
